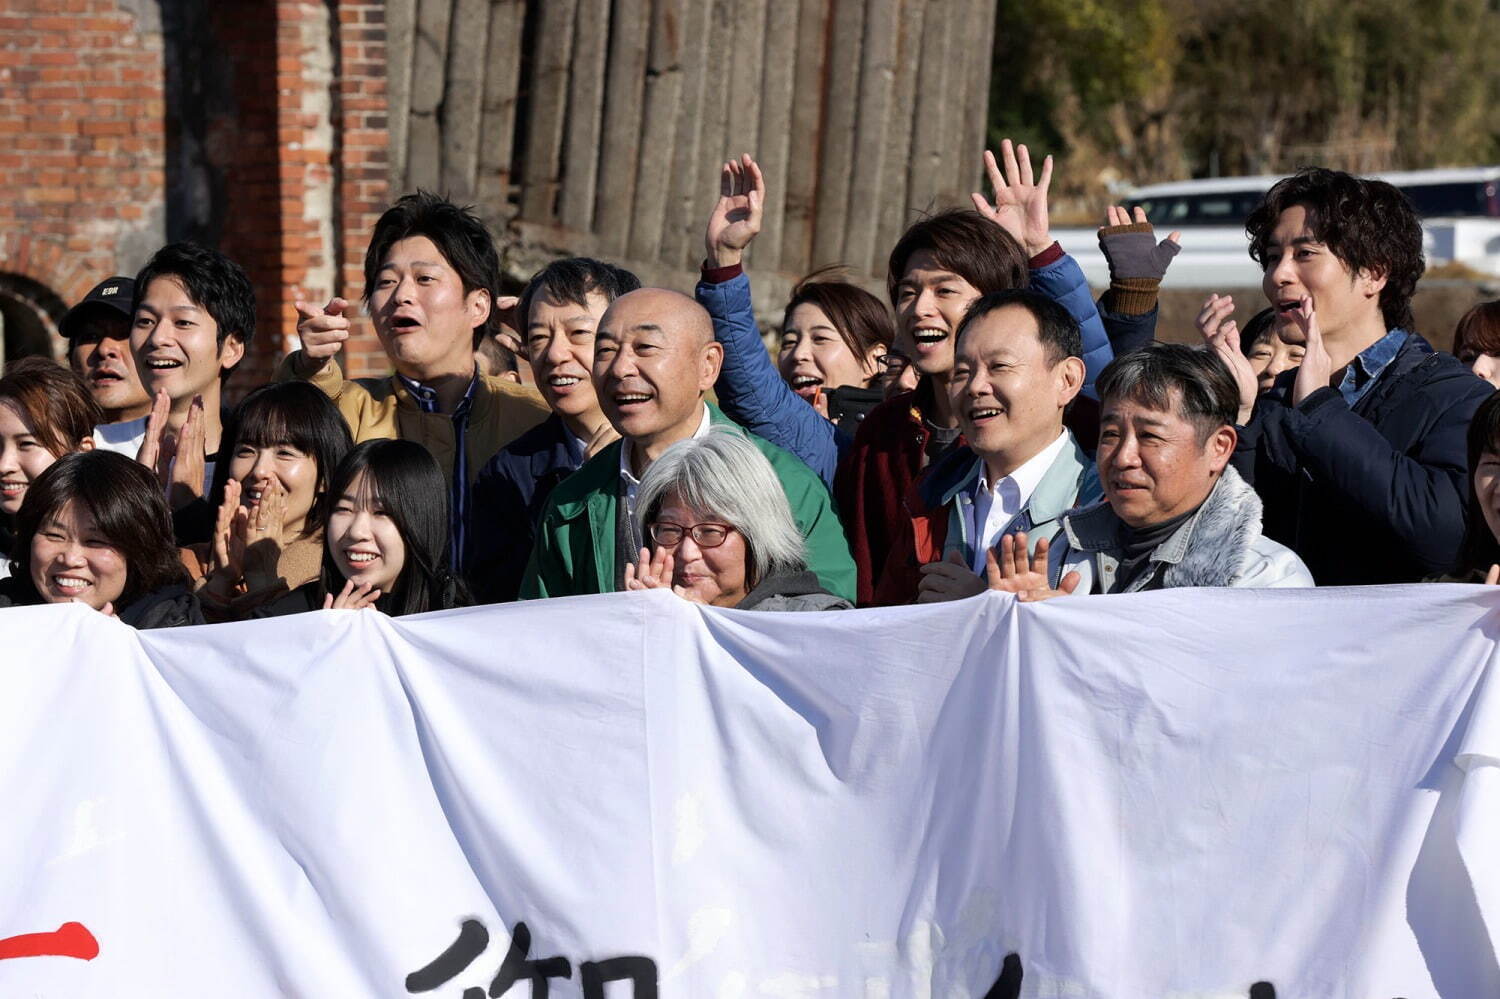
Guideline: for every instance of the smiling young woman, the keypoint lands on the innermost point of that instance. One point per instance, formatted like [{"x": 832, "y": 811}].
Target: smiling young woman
[
  {"x": 282, "y": 445},
  {"x": 45, "y": 412},
  {"x": 95, "y": 529},
  {"x": 386, "y": 532}
]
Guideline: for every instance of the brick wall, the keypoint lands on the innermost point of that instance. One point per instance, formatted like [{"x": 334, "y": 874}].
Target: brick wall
[
  {"x": 81, "y": 146},
  {"x": 363, "y": 190},
  {"x": 301, "y": 216},
  {"x": 256, "y": 126}
]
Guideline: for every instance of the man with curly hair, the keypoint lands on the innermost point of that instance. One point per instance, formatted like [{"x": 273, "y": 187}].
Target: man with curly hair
[{"x": 1358, "y": 453}]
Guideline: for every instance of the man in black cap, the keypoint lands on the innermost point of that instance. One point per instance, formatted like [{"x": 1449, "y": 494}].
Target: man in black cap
[{"x": 98, "y": 334}]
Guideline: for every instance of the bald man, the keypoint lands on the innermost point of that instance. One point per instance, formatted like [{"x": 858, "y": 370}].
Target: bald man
[{"x": 655, "y": 358}]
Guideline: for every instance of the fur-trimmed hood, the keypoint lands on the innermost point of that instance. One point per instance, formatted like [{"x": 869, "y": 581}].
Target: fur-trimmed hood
[{"x": 1219, "y": 545}]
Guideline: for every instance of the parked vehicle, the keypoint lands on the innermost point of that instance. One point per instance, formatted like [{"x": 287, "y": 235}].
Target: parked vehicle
[{"x": 1460, "y": 209}]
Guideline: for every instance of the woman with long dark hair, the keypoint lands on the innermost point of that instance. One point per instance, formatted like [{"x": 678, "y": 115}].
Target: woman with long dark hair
[
  {"x": 266, "y": 559},
  {"x": 95, "y": 529},
  {"x": 386, "y": 534}
]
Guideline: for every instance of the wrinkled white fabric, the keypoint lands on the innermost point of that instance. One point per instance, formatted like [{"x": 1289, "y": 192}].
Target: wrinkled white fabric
[{"x": 1175, "y": 793}]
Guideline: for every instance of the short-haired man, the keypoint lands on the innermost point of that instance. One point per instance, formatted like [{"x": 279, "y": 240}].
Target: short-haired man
[
  {"x": 98, "y": 333},
  {"x": 654, "y": 359},
  {"x": 936, "y": 271},
  {"x": 1016, "y": 369},
  {"x": 431, "y": 279},
  {"x": 1175, "y": 513},
  {"x": 1359, "y": 453},
  {"x": 194, "y": 320},
  {"x": 558, "y": 313}
]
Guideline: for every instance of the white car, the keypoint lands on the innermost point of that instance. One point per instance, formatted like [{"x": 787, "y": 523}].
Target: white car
[{"x": 1460, "y": 211}]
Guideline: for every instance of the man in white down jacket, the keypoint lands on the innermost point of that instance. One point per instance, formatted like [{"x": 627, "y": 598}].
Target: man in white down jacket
[{"x": 1175, "y": 513}]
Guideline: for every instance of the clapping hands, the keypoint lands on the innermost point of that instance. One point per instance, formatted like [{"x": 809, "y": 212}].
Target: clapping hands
[{"x": 179, "y": 461}]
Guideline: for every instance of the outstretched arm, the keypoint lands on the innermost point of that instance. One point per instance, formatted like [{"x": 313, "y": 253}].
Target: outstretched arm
[{"x": 749, "y": 388}]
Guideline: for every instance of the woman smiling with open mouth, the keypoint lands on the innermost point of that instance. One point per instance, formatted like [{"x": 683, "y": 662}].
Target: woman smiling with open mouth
[{"x": 95, "y": 529}]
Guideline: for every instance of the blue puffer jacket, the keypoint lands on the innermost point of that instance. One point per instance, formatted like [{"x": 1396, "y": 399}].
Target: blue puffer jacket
[{"x": 751, "y": 392}]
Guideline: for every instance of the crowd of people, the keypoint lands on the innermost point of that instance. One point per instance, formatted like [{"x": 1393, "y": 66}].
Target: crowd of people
[{"x": 991, "y": 426}]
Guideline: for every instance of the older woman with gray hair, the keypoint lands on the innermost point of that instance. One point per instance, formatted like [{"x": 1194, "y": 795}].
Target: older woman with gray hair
[{"x": 720, "y": 530}]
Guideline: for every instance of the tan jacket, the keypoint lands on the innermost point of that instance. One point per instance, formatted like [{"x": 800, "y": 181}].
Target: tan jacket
[{"x": 378, "y": 408}]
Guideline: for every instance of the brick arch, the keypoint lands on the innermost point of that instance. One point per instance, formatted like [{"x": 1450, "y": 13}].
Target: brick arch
[
  {"x": 30, "y": 312},
  {"x": 46, "y": 263}
]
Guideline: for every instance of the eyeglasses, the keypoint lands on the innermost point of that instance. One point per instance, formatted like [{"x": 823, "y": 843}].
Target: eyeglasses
[
  {"x": 893, "y": 362},
  {"x": 669, "y": 535}
]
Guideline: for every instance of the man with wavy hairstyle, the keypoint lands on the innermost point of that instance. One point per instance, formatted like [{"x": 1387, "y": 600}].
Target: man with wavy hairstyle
[{"x": 1358, "y": 453}]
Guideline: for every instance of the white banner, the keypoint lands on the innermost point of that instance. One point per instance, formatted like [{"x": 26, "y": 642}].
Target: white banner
[{"x": 1185, "y": 793}]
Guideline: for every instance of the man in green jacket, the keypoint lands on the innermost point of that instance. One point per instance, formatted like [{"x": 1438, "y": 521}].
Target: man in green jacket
[{"x": 654, "y": 359}]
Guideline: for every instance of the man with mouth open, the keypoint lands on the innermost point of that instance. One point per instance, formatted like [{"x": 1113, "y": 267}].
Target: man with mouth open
[
  {"x": 194, "y": 318},
  {"x": 98, "y": 333},
  {"x": 1358, "y": 453},
  {"x": 431, "y": 280},
  {"x": 1017, "y": 367},
  {"x": 654, "y": 359},
  {"x": 558, "y": 313}
]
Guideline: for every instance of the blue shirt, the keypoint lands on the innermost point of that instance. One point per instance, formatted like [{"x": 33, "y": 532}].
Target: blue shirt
[
  {"x": 458, "y": 491},
  {"x": 1367, "y": 366}
]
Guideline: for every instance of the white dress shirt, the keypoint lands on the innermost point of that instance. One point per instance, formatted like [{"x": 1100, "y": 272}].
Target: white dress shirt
[
  {"x": 996, "y": 506},
  {"x": 627, "y": 477}
]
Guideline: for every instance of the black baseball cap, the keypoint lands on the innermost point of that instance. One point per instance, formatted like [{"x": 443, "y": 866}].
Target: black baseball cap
[{"x": 116, "y": 294}]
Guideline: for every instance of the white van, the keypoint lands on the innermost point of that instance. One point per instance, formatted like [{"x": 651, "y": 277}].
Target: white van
[{"x": 1460, "y": 211}]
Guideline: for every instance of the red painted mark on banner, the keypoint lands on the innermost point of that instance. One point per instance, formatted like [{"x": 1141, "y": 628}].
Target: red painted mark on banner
[{"x": 69, "y": 940}]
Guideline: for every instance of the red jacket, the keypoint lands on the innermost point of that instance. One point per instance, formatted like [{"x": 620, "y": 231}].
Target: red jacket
[
  {"x": 887, "y": 456},
  {"x": 918, "y": 538}
]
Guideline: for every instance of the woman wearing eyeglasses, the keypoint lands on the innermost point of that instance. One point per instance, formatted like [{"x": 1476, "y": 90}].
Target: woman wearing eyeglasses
[{"x": 720, "y": 530}]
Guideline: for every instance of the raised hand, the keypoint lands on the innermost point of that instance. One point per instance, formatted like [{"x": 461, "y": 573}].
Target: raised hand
[
  {"x": 1316, "y": 369},
  {"x": 949, "y": 579},
  {"x": 1020, "y": 206},
  {"x": 736, "y": 218},
  {"x": 1136, "y": 255},
  {"x": 322, "y": 331},
  {"x": 1493, "y": 576},
  {"x": 509, "y": 331},
  {"x": 1223, "y": 334},
  {"x": 1013, "y": 572},
  {"x": 350, "y": 598}
]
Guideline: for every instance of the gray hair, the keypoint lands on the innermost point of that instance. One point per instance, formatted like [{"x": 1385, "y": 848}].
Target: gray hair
[
  {"x": 722, "y": 474},
  {"x": 1205, "y": 391}
]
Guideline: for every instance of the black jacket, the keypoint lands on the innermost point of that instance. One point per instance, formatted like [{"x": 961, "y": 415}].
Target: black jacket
[
  {"x": 169, "y": 607},
  {"x": 507, "y": 501},
  {"x": 1376, "y": 494}
]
